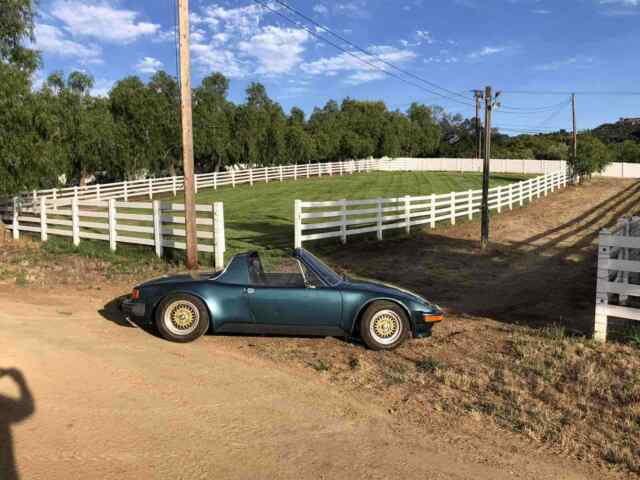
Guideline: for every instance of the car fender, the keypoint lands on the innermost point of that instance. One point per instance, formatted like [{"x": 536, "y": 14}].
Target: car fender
[
  {"x": 381, "y": 299},
  {"x": 191, "y": 293}
]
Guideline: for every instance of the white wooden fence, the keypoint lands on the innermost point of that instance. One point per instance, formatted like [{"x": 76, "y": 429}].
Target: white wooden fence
[
  {"x": 157, "y": 224},
  {"x": 153, "y": 186},
  {"x": 618, "y": 268},
  {"x": 344, "y": 218}
]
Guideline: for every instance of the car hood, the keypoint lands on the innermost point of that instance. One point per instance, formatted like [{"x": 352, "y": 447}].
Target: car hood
[
  {"x": 382, "y": 289},
  {"x": 182, "y": 278}
]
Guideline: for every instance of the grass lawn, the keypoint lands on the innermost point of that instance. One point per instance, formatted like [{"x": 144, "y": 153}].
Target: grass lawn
[{"x": 261, "y": 217}]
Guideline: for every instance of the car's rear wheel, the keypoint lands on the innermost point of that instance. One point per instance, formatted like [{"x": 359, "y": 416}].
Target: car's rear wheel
[
  {"x": 384, "y": 326},
  {"x": 182, "y": 318}
]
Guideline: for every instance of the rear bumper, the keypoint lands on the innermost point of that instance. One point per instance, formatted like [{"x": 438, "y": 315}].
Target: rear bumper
[{"x": 133, "y": 309}]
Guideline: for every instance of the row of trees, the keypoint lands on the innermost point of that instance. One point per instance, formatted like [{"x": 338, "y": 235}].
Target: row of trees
[{"x": 62, "y": 134}]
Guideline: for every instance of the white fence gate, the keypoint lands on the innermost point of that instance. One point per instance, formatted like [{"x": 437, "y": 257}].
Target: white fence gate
[
  {"x": 157, "y": 224},
  {"x": 344, "y": 218},
  {"x": 618, "y": 275}
]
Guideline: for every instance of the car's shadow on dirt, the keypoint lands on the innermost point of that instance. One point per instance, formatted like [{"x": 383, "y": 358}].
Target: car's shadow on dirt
[{"x": 112, "y": 312}]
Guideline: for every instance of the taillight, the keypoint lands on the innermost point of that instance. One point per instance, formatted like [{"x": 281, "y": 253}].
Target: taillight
[{"x": 135, "y": 294}]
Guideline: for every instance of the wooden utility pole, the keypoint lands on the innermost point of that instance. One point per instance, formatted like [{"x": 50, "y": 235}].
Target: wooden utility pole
[
  {"x": 478, "y": 96},
  {"x": 187, "y": 136},
  {"x": 488, "y": 102},
  {"x": 575, "y": 130}
]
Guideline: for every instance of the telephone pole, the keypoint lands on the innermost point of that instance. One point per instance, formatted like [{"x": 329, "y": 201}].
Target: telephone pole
[
  {"x": 575, "y": 130},
  {"x": 187, "y": 136},
  {"x": 489, "y": 103},
  {"x": 478, "y": 94}
]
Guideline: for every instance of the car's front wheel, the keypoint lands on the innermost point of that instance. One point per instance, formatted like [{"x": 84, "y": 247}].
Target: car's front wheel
[
  {"x": 384, "y": 326},
  {"x": 182, "y": 318}
]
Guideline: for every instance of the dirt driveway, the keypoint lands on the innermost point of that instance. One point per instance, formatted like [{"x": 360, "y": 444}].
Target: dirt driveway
[
  {"x": 116, "y": 403},
  {"x": 103, "y": 400}
]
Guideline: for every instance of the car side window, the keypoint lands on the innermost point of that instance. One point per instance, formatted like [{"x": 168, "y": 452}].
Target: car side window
[
  {"x": 310, "y": 278},
  {"x": 281, "y": 272}
]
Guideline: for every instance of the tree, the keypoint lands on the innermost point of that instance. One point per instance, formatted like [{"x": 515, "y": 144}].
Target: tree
[
  {"x": 212, "y": 123},
  {"x": 592, "y": 156}
]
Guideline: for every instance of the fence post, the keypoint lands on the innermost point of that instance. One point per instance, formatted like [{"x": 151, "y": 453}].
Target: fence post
[
  {"x": 331, "y": 169},
  {"x": 126, "y": 191},
  {"x": 307, "y": 170},
  {"x": 499, "y": 199},
  {"x": 511, "y": 196},
  {"x": 75, "y": 221},
  {"x": 43, "y": 219},
  {"x": 280, "y": 172},
  {"x": 453, "y": 208},
  {"x": 157, "y": 227},
  {"x": 623, "y": 277},
  {"x": 251, "y": 177},
  {"x": 602, "y": 298},
  {"x": 113, "y": 238},
  {"x": 530, "y": 187},
  {"x": 470, "y": 194},
  {"x": 521, "y": 193},
  {"x": 297, "y": 222},
  {"x": 150, "y": 189},
  {"x": 546, "y": 185},
  {"x": 341, "y": 168},
  {"x": 295, "y": 171},
  {"x": 55, "y": 199},
  {"x": 266, "y": 174},
  {"x": 173, "y": 185},
  {"x": 195, "y": 184},
  {"x": 319, "y": 170},
  {"x": 75, "y": 192},
  {"x": 219, "y": 246},
  {"x": 538, "y": 186},
  {"x": 343, "y": 222},
  {"x": 98, "y": 192},
  {"x": 433, "y": 210},
  {"x": 215, "y": 180},
  {"x": 407, "y": 213},
  {"x": 16, "y": 225},
  {"x": 379, "y": 230}
]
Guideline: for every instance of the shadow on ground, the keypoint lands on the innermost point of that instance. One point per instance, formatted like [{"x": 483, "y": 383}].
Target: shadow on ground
[{"x": 547, "y": 278}]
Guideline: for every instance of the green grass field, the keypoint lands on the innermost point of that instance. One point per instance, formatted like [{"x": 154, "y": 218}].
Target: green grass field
[{"x": 261, "y": 217}]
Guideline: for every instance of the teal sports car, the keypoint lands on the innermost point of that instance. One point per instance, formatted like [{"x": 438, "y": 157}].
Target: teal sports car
[{"x": 302, "y": 297}]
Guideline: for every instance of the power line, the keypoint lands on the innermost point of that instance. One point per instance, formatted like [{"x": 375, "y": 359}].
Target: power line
[
  {"x": 546, "y": 108},
  {"x": 543, "y": 92},
  {"x": 344, "y": 50},
  {"x": 357, "y": 47}
]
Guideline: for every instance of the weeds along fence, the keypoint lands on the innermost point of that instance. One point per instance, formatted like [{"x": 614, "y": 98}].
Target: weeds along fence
[
  {"x": 618, "y": 278},
  {"x": 153, "y": 186},
  {"x": 156, "y": 224},
  {"x": 345, "y": 218}
]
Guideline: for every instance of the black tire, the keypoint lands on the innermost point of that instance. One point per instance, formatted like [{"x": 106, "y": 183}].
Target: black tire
[
  {"x": 387, "y": 338},
  {"x": 171, "y": 329}
]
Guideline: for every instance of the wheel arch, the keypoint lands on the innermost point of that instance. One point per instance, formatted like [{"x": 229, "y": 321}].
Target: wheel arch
[
  {"x": 159, "y": 300},
  {"x": 368, "y": 303}
]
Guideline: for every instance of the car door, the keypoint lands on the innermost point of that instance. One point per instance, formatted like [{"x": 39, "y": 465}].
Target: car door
[{"x": 306, "y": 304}]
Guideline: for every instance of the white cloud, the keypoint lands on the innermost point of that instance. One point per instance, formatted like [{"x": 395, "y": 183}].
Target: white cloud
[
  {"x": 419, "y": 37},
  {"x": 50, "y": 39},
  {"x": 486, "y": 52},
  {"x": 101, "y": 20},
  {"x": 578, "y": 61},
  {"x": 359, "y": 72},
  {"x": 320, "y": 9},
  {"x": 243, "y": 21},
  {"x": 101, "y": 87},
  {"x": 210, "y": 57},
  {"x": 278, "y": 50},
  {"x": 149, "y": 65},
  {"x": 541, "y": 11},
  {"x": 621, "y": 7}
]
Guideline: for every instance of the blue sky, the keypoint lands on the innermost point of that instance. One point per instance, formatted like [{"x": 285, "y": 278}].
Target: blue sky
[{"x": 513, "y": 45}]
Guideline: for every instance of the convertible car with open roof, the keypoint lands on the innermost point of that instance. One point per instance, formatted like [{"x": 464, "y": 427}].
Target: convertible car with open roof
[{"x": 302, "y": 297}]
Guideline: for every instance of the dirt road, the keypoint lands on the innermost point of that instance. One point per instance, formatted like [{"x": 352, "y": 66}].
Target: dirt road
[{"x": 113, "y": 402}]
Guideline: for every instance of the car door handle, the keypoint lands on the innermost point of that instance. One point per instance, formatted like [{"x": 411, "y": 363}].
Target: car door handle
[{"x": 249, "y": 290}]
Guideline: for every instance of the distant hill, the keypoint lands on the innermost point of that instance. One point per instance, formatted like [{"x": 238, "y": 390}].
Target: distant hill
[{"x": 618, "y": 132}]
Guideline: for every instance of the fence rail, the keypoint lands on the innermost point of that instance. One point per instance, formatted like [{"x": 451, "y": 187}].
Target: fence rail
[
  {"x": 156, "y": 224},
  {"x": 344, "y": 218},
  {"x": 153, "y": 186},
  {"x": 618, "y": 275}
]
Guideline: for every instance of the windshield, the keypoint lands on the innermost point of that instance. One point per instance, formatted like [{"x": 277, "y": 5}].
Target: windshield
[{"x": 328, "y": 275}]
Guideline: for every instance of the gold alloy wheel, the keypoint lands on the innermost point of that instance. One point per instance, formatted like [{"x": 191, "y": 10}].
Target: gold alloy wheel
[
  {"x": 386, "y": 327},
  {"x": 181, "y": 317}
]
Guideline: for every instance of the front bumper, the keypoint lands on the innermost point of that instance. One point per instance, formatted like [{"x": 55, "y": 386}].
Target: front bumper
[
  {"x": 133, "y": 309},
  {"x": 421, "y": 328}
]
